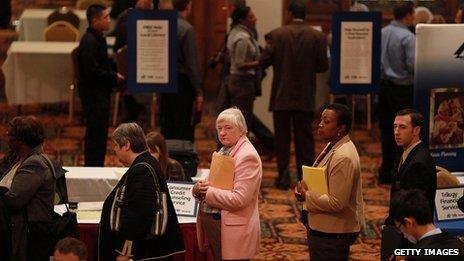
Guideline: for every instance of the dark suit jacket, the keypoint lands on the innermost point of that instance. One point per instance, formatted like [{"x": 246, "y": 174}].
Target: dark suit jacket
[
  {"x": 96, "y": 73},
  {"x": 440, "y": 241},
  {"x": 417, "y": 172},
  {"x": 297, "y": 52}
]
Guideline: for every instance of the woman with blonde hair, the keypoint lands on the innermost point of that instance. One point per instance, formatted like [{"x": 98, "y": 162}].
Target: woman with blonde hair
[{"x": 228, "y": 220}]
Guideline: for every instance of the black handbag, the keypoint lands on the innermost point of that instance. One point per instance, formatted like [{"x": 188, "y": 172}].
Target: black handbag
[
  {"x": 160, "y": 216},
  {"x": 43, "y": 236}
]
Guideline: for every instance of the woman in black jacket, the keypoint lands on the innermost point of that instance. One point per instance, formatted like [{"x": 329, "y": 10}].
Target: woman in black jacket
[{"x": 138, "y": 205}]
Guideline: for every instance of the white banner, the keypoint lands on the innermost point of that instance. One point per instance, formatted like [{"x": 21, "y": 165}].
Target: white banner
[
  {"x": 182, "y": 198},
  {"x": 152, "y": 51},
  {"x": 446, "y": 203},
  {"x": 356, "y": 53}
]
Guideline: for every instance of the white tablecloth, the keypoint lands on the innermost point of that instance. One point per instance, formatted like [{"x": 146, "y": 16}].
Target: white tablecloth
[
  {"x": 90, "y": 184},
  {"x": 87, "y": 184},
  {"x": 33, "y": 22},
  {"x": 90, "y": 213},
  {"x": 38, "y": 72}
]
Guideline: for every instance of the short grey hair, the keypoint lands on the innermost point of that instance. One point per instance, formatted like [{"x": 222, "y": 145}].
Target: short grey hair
[
  {"x": 132, "y": 133},
  {"x": 234, "y": 116}
]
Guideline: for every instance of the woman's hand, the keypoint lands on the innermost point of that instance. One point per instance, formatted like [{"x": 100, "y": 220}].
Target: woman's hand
[
  {"x": 300, "y": 191},
  {"x": 200, "y": 189}
]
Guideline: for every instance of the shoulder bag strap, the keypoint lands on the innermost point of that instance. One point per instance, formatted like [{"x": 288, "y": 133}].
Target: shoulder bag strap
[
  {"x": 152, "y": 172},
  {"x": 50, "y": 165}
]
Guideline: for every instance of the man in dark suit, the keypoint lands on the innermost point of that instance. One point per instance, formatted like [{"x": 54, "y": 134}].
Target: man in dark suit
[
  {"x": 415, "y": 169},
  {"x": 411, "y": 215},
  {"x": 96, "y": 81},
  {"x": 297, "y": 52}
]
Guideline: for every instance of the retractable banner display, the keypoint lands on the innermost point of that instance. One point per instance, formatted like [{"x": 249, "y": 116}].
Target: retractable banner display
[
  {"x": 439, "y": 91},
  {"x": 152, "y": 51},
  {"x": 355, "y": 52}
]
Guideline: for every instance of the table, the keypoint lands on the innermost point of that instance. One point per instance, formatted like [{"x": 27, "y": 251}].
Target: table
[
  {"x": 87, "y": 184},
  {"x": 101, "y": 180},
  {"x": 38, "y": 72},
  {"x": 33, "y": 22},
  {"x": 88, "y": 232}
]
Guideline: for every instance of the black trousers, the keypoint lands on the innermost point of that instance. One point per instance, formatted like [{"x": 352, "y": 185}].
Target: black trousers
[
  {"x": 392, "y": 98},
  {"x": 242, "y": 94},
  {"x": 262, "y": 133},
  {"x": 301, "y": 122},
  {"x": 97, "y": 112},
  {"x": 176, "y": 111},
  {"x": 330, "y": 246}
]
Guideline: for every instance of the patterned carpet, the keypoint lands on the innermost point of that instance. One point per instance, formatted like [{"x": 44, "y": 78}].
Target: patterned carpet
[{"x": 283, "y": 237}]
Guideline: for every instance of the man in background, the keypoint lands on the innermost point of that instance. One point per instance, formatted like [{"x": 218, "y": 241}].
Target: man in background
[
  {"x": 297, "y": 52},
  {"x": 179, "y": 111},
  {"x": 415, "y": 169},
  {"x": 397, "y": 78},
  {"x": 97, "y": 78}
]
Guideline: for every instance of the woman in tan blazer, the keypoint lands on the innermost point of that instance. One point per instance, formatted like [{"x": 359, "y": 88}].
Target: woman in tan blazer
[{"x": 335, "y": 218}]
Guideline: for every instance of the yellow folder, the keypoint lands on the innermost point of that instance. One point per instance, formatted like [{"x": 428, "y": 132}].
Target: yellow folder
[
  {"x": 315, "y": 178},
  {"x": 221, "y": 172}
]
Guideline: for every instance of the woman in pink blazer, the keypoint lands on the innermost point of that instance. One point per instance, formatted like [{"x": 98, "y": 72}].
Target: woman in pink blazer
[{"x": 228, "y": 220}]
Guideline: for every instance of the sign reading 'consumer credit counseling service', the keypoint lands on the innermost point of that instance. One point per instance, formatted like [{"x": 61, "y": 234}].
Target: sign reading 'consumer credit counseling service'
[{"x": 182, "y": 198}]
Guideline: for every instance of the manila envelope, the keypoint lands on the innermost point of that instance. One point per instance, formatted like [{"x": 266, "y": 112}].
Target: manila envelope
[{"x": 221, "y": 172}]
